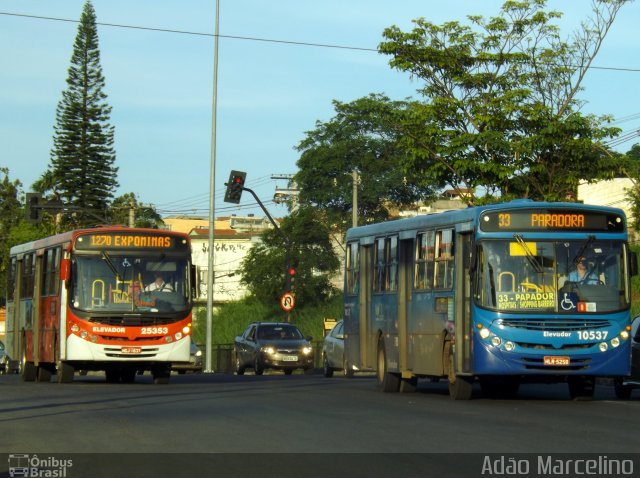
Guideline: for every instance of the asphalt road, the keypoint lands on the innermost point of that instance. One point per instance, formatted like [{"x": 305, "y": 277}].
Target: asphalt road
[{"x": 300, "y": 414}]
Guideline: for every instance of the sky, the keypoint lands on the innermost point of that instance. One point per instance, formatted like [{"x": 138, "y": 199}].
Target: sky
[{"x": 269, "y": 93}]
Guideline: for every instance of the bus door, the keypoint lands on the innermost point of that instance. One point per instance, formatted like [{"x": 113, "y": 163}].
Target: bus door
[
  {"x": 462, "y": 320},
  {"x": 368, "y": 349},
  {"x": 37, "y": 311},
  {"x": 13, "y": 334},
  {"x": 405, "y": 274}
]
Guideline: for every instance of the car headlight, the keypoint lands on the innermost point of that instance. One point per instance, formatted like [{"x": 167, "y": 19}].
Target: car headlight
[
  {"x": 199, "y": 353},
  {"x": 307, "y": 350},
  {"x": 268, "y": 350}
]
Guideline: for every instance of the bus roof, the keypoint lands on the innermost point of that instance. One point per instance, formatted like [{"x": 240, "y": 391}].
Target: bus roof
[
  {"x": 470, "y": 215},
  {"x": 69, "y": 236}
]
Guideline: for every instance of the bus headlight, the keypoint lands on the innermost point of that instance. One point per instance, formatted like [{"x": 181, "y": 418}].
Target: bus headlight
[
  {"x": 495, "y": 341},
  {"x": 624, "y": 334},
  {"x": 615, "y": 342},
  {"x": 603, "y": 347},
  {"x": 178, "y": 335},
  {"x": 484, "y": 333},
  {"x": 186, "y": 330},
  {"x": 509, "y": 346},
  {"x": 84, "y": 334},
  {"x": 75, "y": 328}
]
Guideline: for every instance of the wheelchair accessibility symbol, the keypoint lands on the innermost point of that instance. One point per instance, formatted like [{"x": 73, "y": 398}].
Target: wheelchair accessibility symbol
[{"x": 566, "y": 303}]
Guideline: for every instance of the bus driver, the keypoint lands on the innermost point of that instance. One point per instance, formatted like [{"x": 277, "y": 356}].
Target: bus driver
[
  {"x": 159, "y": 285},
  {"x": 581, "y": 274}
]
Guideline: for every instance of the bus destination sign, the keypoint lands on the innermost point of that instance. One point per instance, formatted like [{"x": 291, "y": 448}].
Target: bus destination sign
[
  {"x": 550, "y": 220},
  {"x": 122, "y": 240}
]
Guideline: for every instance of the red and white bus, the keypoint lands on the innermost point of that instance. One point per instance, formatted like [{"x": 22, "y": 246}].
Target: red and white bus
[{"x": 82, "y": 301}]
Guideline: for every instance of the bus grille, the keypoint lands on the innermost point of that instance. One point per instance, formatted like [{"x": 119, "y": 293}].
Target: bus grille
[
  {"x": 554, "y": 324},
  {"x": 131, "y": 321}
]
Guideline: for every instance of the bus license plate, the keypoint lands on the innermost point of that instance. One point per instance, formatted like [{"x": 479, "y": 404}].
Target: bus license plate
[
  {"x": 131, "y": 350},
  {"x": 289, "y": 358},
  {"x": 555, "y": 361}
]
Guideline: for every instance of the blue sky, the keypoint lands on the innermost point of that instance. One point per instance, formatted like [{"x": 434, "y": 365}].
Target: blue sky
[{"x": 159, "y": 84}]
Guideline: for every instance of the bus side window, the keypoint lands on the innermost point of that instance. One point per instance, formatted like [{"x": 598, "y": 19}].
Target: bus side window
[
  {"x": 444, "y": 259},
  {"x": 425, "y": 245}
]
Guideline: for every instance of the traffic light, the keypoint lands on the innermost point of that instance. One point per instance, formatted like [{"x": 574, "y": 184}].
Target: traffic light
[
  {"x": 33, "y": 208},
  {"x": 235, "y": 187},
  {"x": 291, "y": 278}
]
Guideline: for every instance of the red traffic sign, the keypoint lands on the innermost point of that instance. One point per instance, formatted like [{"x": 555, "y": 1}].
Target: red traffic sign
[{"x": 287, "y": 301}]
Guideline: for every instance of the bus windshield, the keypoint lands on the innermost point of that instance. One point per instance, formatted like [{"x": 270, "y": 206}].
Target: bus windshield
[
  {"x": 117, "y": 282},
  {"x": 573, "y": 276}
]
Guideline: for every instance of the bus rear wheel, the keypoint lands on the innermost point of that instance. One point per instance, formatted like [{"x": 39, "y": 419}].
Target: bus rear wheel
[{"x": 387, "y": 381}]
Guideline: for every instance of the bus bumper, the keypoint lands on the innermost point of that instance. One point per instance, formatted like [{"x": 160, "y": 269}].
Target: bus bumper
[
  {"x": 79, "y": 349},
  {"x": 491, "y": 360}
]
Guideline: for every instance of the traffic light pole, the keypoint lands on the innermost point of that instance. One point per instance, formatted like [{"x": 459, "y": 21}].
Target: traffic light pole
[{"x": 285, "y": 239}]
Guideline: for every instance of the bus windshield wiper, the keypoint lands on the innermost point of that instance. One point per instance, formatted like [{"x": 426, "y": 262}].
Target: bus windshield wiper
[
  {"x": 107, "y": 259},
  {"x": 583, "y": 248},
  {"x": 530, "y": 257}
]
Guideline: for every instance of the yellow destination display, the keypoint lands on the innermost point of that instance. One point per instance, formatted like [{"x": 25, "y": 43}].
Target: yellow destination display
[
  {"x": 545, "y": 219},
  {"x": 526, "y": 300},
  {"x": 124, "y": 241}
]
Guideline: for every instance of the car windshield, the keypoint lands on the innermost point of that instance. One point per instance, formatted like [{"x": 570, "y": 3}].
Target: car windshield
[
  {"x": 279, "y": 332},
  {"x": 543, "y": 276},
  {"x": 111, "y": 283}
]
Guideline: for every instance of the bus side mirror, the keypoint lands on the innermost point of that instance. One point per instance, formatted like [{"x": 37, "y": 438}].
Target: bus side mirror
[
  {"x": 633, "y": 263},
  {"x": 65, "y": 269}
]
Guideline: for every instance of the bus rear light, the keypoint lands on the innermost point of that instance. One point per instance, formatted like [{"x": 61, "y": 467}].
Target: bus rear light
[{"x": 603, "y": 347}]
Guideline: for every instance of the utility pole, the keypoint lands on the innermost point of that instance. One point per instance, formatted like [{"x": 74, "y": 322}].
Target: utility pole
[
  {"x": 354, "y": 192},
  {"x": 291, "y": 192}
]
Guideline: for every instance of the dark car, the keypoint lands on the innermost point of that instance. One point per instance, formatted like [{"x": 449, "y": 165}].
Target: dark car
[
  {"x": 3, "y": 359},
  {"x": 193, "y": 365},
  {"x": 624, "y": 386},
  {"x": 333, "y": 352},
  {"x": 272, "y": 345}
]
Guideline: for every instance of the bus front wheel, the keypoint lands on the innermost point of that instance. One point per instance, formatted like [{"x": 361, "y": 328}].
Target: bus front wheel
[{"x": 387, "y": 381}]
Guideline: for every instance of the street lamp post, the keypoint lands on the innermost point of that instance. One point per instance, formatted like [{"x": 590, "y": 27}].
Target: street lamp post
[{"x": 212, "y": 190}]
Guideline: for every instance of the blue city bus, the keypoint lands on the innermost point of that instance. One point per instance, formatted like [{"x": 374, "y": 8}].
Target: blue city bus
[{"x": 489, "y": 294}]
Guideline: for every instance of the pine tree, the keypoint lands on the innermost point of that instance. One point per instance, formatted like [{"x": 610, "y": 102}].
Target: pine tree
[{"x": 82, "y": 157}]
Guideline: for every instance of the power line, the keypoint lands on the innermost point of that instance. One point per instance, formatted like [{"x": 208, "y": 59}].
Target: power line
[
  {"x": 256, "y": 39},
  {"x": 185, "y": 32}
]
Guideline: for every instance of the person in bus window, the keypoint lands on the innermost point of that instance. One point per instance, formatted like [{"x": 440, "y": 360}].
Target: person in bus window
[
  {"x": 159, "y": 285},
  {"x": 582, "y": 273}
]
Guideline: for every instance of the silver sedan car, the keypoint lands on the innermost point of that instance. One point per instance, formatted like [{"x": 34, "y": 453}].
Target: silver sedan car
[
  {"x": 624, "y": 386},
  {"x": 333, "y": 352}
]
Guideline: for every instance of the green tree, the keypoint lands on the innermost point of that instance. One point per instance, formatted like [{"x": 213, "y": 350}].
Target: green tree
[
  {"x": 82, "y": 157},
  {"x": 357, "y": 139},
  {"x": 11, "y": 213},
  {"x": 145, "y": 215},
  {"x": 500, "y": 110},
  {"x": 311, "y": 253}
]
